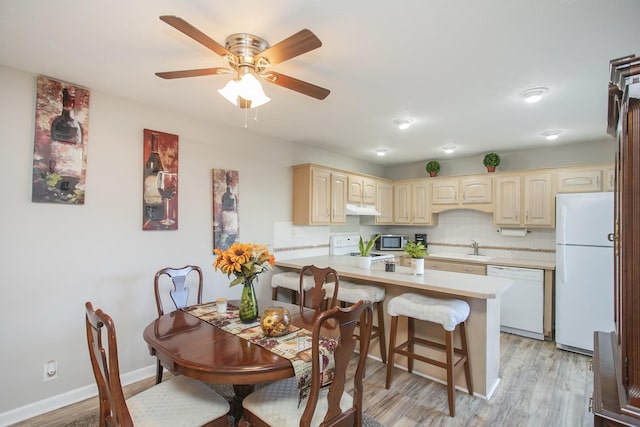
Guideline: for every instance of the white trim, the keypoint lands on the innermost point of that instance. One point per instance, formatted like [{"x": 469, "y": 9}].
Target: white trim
[{"x": 73, "y": 396}]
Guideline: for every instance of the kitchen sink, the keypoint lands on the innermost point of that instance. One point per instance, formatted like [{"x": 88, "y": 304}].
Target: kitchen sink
[{"x": 470, "y": 257}]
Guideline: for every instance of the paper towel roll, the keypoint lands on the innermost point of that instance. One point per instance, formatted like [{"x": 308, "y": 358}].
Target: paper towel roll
[{"x": 513, "y": 232}]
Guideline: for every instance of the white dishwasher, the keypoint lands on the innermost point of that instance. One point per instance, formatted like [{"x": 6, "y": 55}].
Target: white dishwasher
[{"x": 522, "y": 305}]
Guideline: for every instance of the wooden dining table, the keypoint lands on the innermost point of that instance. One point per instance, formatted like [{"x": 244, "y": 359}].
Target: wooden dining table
[{"x": 187, "y": 345}]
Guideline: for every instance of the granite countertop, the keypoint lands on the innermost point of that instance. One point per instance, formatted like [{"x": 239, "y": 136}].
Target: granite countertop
[{"x": 458, "y": 284}]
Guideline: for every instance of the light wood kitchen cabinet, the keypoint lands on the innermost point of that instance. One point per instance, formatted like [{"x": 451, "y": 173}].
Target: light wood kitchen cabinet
[
  {"x": 446, "y": 265},
  {"x": 384, "y": 203},
  {"x": 525, "y": 201},
  {"x": 579, "y": 181},
  {"x": 361, "y": 190},
  {"x": 411, "y": 203},
  {"x": 472, "y": 192},
  {"x": 609, "y": 179},
  {"x": 456, "y": 267},
  {"x": 319, "y": 196}
]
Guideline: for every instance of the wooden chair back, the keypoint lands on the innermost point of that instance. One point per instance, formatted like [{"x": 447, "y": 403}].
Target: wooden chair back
[
  {"x": 104, "y": 360},
  {"x": 345, "y": 319},
  {"x": 320, "y": 277},
  {"x": 180, "y": 292}
]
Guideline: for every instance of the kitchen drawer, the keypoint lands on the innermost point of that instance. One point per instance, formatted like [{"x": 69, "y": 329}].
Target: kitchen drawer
[{"x": 455, "y": 267}]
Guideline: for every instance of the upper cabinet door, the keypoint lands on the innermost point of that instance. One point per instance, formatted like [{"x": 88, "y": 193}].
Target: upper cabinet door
[
  {"x": 338, "y": 198},
  {"x": 508, "y": 200},
  {"x": 420, "y": 203},
  {"x": 476, "y": 190},
  {"x": 402, "y": 203},
  {"x": 320, "y": 196},
  {"x": 384, "y": 203},
  {"x": 580, "y": 181},
  {"x": 539, "y": 202},
  {"x": 369, "y": 194},
  {"x": 444, "y": 192}
]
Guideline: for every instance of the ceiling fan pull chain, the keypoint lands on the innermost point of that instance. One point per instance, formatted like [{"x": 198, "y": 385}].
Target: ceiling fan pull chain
[{"x": 245, "y": 118}]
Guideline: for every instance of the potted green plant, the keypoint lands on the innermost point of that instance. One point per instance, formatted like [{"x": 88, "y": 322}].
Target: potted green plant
[
  {"x": 417, "y": 252},
  {"x": 433, "y": 167},
  {"x": 491, "y": 161},
  {"x": 364, "y": 260}
]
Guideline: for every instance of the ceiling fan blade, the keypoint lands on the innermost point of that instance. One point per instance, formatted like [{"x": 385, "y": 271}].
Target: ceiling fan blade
[
  {"x": 297, "y": 44},
  {"x": 191, "y": 31},
  {"x": 297, "y": 85},
  {"x": 192, "y": 73}
]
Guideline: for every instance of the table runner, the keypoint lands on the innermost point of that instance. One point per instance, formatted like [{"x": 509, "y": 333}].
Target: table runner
[{"x": 295, "y": 345}]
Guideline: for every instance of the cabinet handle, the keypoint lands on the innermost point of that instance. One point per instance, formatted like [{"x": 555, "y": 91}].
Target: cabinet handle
[
  {"x": 611, "y": 237},
  {"x": 591, "y": 365},
  {"x": 597, "y": 182},
  {"x": 526, "y": 216},
  {"x": 591, "y": 404}
]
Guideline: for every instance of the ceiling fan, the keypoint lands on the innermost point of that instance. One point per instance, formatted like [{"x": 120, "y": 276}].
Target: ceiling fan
[{"x": 249, "y": 56}]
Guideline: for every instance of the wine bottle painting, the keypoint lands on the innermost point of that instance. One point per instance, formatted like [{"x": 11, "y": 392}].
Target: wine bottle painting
[
  {"x": 60, "y": 145},
  {"x": 160, "y": 181},
  {"x": 225, "y": 208}
]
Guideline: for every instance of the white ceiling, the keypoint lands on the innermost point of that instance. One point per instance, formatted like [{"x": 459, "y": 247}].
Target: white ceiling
[{"x": 455, "y": 67}]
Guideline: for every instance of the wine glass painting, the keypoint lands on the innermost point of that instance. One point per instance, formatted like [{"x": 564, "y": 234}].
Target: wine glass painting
[{"x": 160, "y": 181}]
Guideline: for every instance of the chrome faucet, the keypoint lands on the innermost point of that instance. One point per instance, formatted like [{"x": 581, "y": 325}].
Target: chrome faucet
[{"x": 474, "y": 245}]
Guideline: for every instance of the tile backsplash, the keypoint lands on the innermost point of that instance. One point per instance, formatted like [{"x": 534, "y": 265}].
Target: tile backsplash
[{"x": 453, "y": 233}]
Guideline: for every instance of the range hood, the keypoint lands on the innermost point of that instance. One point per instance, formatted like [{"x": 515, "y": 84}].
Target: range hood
[{"x": 361, "y": 210}]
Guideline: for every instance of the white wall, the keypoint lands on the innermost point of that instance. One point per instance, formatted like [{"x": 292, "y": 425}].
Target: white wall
[{"x": 56, "y": 257}]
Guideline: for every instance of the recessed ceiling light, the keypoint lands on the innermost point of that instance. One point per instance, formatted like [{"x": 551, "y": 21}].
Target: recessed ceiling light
[
  {"x": 381, "y": 152},
  {"x": 448, "y": 148},
  {"x": 534, "y": 94},
  {"x": 403, "y": 123},
  {"x": 550, "y": 135}
]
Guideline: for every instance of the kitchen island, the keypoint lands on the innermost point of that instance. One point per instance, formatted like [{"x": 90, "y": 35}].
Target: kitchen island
[{"x": 481, "y": 292}]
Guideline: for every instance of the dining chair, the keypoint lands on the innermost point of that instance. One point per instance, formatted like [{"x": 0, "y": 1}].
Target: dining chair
[
  {"x": 317, "y": 293},
  {"x": 177, "y": 401},
  {"x": 179, "y": 294},
  {"x": 277, "y": 404}
]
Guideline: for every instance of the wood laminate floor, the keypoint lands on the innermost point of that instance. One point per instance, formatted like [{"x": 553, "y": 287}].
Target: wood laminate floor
[{"x": 540, "y": 386}]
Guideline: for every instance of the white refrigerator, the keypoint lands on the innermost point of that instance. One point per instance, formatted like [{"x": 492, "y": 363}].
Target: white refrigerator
[{"x": 584, "y": 269}]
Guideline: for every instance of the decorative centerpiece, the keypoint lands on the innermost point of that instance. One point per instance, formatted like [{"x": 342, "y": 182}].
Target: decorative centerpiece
[
  {"x": 417, "y": 251},
  {"x": 433, "y": 167},
  {"x": 245, "y": 261},
  {"x": 275, "y": 321},
  {"x": 364, "y": 261},
  {"x": 491, "y": 161}
]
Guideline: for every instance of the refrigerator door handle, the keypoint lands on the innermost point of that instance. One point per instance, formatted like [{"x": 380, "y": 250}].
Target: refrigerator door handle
[
  {"x": 563, "y": 223},
  {"x": 561, "y": 263}
]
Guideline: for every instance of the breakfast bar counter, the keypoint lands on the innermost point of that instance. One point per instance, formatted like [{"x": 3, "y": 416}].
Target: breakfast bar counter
[{"x": 481, "y": 292}]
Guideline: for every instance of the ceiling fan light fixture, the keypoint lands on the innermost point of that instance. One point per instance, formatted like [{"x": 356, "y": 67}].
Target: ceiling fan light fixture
[
  {"x": 381, "y": 152},
  {"x": 248, "y": 87},
  {"x": 403, "y": 124},
  {"x": 534, "y": 94}
]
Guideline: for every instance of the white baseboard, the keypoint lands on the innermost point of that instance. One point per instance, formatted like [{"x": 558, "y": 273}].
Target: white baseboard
[{"x": 73, "y": 396}]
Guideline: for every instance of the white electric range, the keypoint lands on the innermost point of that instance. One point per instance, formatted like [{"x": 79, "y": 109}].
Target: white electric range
[{"x": 347, "y": 244}]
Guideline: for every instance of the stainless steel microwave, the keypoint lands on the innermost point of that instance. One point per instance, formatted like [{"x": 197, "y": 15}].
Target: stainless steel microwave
[{"x": 391, "y": 242}]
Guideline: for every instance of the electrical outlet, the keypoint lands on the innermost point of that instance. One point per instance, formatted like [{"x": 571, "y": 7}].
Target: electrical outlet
[{"x": 50, "y": 371}]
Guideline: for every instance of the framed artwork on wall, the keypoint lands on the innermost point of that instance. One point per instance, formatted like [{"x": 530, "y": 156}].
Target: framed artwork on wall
[
  {"x": 60, "y": 144},
  {"x": 226, "y": 224},
  {"x": 160, "y": 181}
]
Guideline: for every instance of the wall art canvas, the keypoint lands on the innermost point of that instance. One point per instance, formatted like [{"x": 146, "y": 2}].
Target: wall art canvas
[
  {"x": 160, "y": 181},
  {"x": 226, "y": 227},
  {"x": 60, "y": 145}
]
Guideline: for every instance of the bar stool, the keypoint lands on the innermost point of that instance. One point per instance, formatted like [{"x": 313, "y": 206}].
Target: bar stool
[
  {"x": 290, "y": 280},
  {"x": 447, "y": 312},
  {"x": 352, "y": 293}
]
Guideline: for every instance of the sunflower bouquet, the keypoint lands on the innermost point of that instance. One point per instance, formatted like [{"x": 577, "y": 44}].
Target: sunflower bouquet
[{"x": 243, "y": 260}]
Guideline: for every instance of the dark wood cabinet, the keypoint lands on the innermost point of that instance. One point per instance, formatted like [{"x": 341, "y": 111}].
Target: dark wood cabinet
[{"x": 616, "y": 359}]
